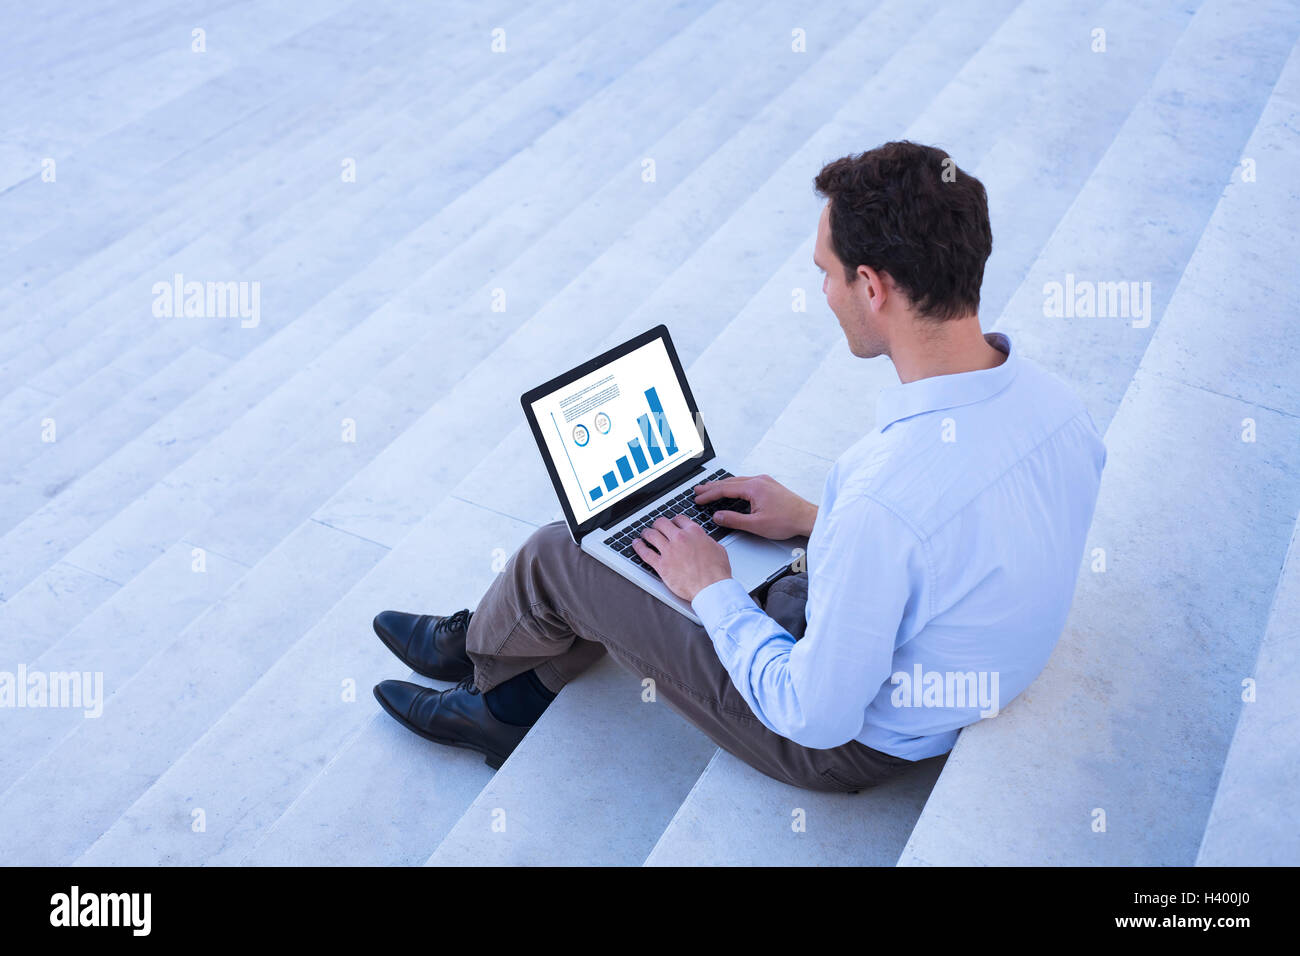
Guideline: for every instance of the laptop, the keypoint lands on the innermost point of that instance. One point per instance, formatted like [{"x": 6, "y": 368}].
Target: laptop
[{"x": 624, "y": 444}]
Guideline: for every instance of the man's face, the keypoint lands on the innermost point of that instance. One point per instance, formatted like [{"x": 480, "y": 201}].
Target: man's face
[{"x": 848, "y": 302}]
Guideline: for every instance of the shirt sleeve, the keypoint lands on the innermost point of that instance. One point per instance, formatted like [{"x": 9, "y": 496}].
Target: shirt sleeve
[{"x": 869, "y": 568}]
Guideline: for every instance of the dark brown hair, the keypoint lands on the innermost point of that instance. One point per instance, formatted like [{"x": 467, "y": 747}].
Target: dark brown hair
[{"x": 908, "y": 210}]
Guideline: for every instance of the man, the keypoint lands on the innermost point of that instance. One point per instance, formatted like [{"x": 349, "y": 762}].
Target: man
[{"x": 941, "y": 563}]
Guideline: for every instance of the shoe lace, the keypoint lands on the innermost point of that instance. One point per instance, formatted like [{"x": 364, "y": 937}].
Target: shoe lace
[
  {"x": 459, "y": 620},
  {"x": 467, "y": 683}
]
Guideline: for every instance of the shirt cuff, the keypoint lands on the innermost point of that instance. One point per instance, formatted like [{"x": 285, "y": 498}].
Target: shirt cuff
[{"x": 713, "y": 604}]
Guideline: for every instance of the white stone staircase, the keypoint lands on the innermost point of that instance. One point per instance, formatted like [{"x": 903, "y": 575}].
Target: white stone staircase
[
  {"x": 1264, "y": 758},
  {"x": 243, "y": 691}
]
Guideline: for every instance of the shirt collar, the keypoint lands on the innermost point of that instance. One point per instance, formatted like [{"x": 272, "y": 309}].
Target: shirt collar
[{"x": 896, "y": 402}]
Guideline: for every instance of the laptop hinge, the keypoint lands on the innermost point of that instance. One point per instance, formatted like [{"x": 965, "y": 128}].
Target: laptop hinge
[{"x": 634, "y": 503}]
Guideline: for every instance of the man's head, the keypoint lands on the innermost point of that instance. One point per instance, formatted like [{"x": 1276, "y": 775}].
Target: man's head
[{"x": 903, "y": 240}]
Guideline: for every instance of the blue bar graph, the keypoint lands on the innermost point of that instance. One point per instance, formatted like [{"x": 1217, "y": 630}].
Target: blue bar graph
[
  {"x": 656, "y": 441},
  {"x": 651, "y": 442},
  {"x": 652, "y": 397},
  {"x": 638, "y": 456}
]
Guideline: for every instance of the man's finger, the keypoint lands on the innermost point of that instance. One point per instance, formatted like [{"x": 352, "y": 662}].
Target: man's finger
[
  {"x": 689, "y": 526},
  {"x": 647, "y": 554},
  {"x": 732, "y": 519},
  {"x": 654, "y": 537},
  {"x": 668, "y": 528},
  {"x": 722, "y": 488}
]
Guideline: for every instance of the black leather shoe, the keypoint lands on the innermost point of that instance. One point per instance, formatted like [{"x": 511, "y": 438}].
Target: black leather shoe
[
  {"x": 458, "y": 717},
  {"x": 429, "y": 645}
]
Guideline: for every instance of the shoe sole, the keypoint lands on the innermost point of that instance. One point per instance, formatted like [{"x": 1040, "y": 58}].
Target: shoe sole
[{"x": 493, "y": 760}]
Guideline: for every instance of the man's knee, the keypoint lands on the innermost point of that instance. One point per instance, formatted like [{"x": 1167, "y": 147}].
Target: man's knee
[
  {"x": 552, "y": 538},
  {"x": 547, "y": 551}
]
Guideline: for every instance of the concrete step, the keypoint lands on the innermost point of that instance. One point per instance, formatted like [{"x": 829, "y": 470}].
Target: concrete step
[
  {"x": 1251, "y": 821},
  {"x": 736, "y": 816},
  {"x": 1113, "y": 756},
  {"x": 232, "y": 528},
  {"x": 524, "y": 94},
  {"x": 1043, "y": 151},
  {"x": 37, "y": 616},
  {"x": 72, "y": 794},
  {"x": 121, "y": 636},
  {"x": 289, "y": 676},
  {"x": 298, "y": 132},
  {"x": 211, "y": 691},
  {"x": 159, "y": 80},
  {"x": 293, "y": 92},
  {"x": 224, "y": 522},
  {"x": 45, "y": 45},
  {"x": 110, "y": 409},
  {"x": 1146, "y": 205},
  {"x": 41, "y": 71},
  {"x": 300, "y": 708},
  {"x": 41, "y": 40},
  {"x": 276, "y": 187},
  {"x": 571, "y": 776},
  {"x": 118, "y": 545},
  {"x": 113, "y": 426},
  {"x": 97, "y": 494}
]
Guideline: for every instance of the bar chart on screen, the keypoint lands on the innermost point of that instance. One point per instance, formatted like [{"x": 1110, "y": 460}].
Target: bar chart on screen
[
  {"x": 654, "y": 430},
  {"x": 618, "y": 427}
]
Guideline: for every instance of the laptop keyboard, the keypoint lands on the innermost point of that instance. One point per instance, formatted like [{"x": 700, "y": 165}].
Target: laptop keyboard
[{"x": 683, "y": 504}]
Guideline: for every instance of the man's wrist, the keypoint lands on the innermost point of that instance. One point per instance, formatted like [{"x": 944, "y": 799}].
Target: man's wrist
[
  {"x": 714, "y": 603},
  {"x": 710, "y": 584},
  {"x": 810, "y": 519}
]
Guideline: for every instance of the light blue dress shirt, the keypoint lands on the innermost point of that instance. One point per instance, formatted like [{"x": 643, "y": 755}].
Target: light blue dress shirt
[{"x": 941, "y": 566}]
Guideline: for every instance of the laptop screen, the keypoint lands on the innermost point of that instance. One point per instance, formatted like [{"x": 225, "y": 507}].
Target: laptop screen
[{"x": 619, "y": 425}]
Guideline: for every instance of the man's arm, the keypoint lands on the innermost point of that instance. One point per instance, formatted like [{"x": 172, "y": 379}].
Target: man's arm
[{"x": 869, "y": 569}]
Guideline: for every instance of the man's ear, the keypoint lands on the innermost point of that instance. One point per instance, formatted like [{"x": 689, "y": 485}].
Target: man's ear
[{"x": 875, "y": 290}]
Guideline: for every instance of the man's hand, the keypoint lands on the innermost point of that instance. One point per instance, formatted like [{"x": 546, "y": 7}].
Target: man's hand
[
  {"x": 775, "y": 512},
  {"x": 683, "y": 555}
]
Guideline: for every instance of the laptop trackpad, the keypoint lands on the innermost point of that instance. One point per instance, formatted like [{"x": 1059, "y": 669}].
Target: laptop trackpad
[{"x": 753, "y": 559}]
